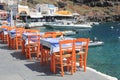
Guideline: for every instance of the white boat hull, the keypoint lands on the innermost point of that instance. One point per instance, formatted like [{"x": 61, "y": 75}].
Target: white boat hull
[
  {"x": 72, "y": 26},
  {"x": 96, "y": 43},
  {"x": 35, "y": 24}
]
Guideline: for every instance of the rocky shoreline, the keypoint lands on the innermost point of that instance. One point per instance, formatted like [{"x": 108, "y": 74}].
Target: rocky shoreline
[{"x": 113, "y": 18}]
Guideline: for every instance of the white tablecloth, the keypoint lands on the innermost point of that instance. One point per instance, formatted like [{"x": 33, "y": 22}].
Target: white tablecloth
[{"x": 52, "y": 43}]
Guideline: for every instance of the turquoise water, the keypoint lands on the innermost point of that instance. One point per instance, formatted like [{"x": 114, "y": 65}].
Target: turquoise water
[{"x": 104, "y": 58}]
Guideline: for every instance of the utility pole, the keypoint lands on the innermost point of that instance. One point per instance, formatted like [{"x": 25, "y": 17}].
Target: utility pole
[{"x": 11, "y": 18}]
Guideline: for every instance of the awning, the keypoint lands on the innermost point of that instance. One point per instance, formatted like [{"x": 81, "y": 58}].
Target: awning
[
  {"x": 35, "y": 15},
  {"x": 63, "y": 13},
  {"x": 51, "y": 6}
]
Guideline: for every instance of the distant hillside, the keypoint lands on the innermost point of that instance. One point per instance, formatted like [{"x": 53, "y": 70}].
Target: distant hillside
[{"x": 83, "y": 7}]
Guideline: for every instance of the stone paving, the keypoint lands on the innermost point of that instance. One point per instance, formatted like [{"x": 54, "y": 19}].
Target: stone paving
[{"x": 14, "y": 66}]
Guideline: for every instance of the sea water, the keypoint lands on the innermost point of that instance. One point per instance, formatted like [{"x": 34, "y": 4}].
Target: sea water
[{"x": 106, "y": 58}]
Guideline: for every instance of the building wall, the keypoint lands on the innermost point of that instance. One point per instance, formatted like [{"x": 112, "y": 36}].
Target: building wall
[
  {"x": 45, "y": 9},
  {"x": 4, "y": 1},
  {"x": 23, "y": 8},
  {"x": 9, "y": 2}
]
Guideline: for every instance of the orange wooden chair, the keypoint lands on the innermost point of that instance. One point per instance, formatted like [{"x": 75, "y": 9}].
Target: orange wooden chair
[
  {"x": 9, "y": 39},
  {"x": 52, "y": 34},
  {"x": 31, "y": 31},
  {"x": 18, "y": 38},
  {"x": 65, "y": 57},
  {"x": 33, "y": 46},
  {"x": 81, "y": 51},
  {"x": 45, "y": 50},
  {"x": 4, "y": 33},
  {"x": 58, "y": 34},
  {"x": 23, "y": 41}
]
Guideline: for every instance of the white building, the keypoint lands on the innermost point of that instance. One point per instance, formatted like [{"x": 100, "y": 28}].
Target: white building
[
  {"x": 46, "y": 9},
  {"x": 10, "y": 2},
  {"x": 3, "y": 1}
]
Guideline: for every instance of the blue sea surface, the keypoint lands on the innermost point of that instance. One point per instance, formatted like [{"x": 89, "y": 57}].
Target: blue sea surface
[{"x": 106, "y": 58}]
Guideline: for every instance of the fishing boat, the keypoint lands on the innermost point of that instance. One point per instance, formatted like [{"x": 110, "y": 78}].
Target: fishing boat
[{"x": 68, "y": 25}]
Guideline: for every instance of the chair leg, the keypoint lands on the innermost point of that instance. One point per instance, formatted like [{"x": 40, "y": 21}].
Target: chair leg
[
  {"x": 81, "y": 61},
  {"x": 42, "y": 55},
  {"x": 84, "y": 64},
  {"x": 29, "y": 54},
  {"x": 23, "y": 47},
  {"x": 53, "y": 65},
  {"x": 8, "y": 40},
  {"x": 38, "y": 52},
  {"x": 73, "y": 65},
  {"x": 62, "y": 70},
  {"x": 12, "y": 43},
  {"x": 16, "y": 44}
]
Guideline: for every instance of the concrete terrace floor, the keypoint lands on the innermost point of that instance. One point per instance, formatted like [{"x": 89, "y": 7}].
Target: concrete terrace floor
[{"x": 14, "y": 66}]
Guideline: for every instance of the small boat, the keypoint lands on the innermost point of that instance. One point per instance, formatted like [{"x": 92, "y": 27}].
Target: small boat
[
  {"x": 67, "y": 25},
  {"x": 20, "y": 23},
  {"x": 96, "y": 43},
  {"x": 94, "y": 23},
  {"x": 67, "y": 33},
  {"x": 35, "y": 24}
]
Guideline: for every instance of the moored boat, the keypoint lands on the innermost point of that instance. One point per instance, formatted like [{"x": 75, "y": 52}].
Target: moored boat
[
  {"x": 96, "y": 43},
  {"x": 68, "y": 25}
]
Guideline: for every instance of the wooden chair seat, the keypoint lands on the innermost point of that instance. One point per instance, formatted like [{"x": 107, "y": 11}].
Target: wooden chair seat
[
  {"x": 32, "y": 45},
  {"x": 80, "y": 52},
  {"x": 63, "y": 56}
]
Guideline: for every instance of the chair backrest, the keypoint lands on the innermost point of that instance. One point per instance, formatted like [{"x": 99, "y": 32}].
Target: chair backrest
[
  {"x": 81, "y": 44},
  {"x": 66, "y": 46},
  {"x": 49, "y": 35},
  {"x": 19, "y": 31},
  {"x": 11, "y": 28},
  {"x": 59, "y": 34},
  {"x": 5, "y": 27},
  {"x": 31, "y": 31},
  {"x": 34, "y": 39},
  {"x": 52, "y": 34}
]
